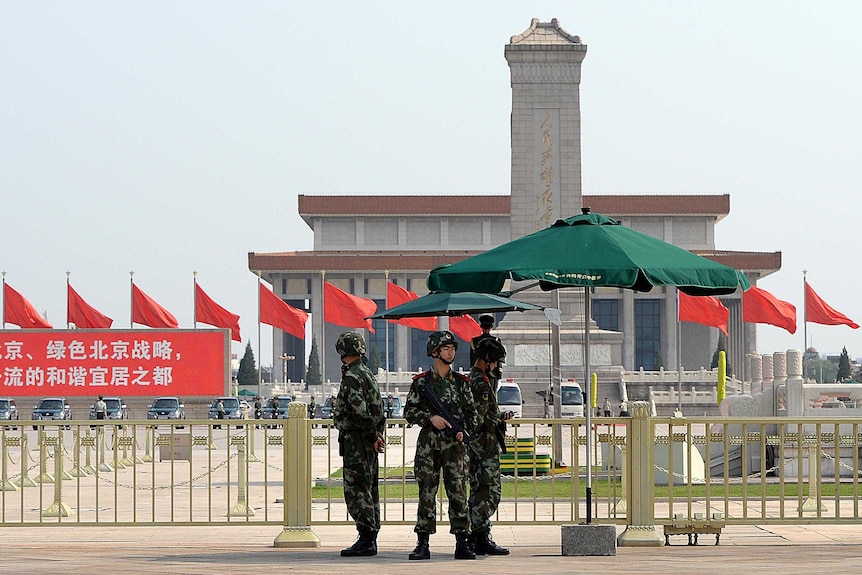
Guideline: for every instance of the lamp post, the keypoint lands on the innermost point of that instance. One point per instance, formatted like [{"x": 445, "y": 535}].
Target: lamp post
[{"x": 285, "y": 358}]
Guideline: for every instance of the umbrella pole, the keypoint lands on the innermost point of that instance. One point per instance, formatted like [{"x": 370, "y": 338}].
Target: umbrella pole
[
  {"x": 587, "y": 403},
  {"x": 556, "y": 383}
]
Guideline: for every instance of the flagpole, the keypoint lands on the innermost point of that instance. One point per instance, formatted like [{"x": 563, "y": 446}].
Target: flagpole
[
  {"x": 386, "y": 327},
  {"x": 195, "y": 300},
  {"x": 259, "y": 358},
  {"x": 4, "y": 300},
  {"x": 805, "y": 360},
  {"x": 132, "y": 300},
  {"x": 68, "y": 324},
  {"x": 322, "y": 347}
]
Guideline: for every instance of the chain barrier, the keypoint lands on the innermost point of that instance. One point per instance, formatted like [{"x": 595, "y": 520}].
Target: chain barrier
[{"x": 104, "y": 477}]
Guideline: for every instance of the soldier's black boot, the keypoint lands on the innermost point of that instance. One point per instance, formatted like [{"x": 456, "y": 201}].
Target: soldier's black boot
[
  {"x": 422, "y": 551},
  {"x": 484, "y": 545},
  {"x": 462, "y": 551},
  {"x": 365, "y": 546}
]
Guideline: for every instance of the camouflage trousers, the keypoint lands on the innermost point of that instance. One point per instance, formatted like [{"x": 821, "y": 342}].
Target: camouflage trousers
[
  {"x": 436, "y": 453},
  {"x": 485, "y": 489},
  {"x": 360, "y": 482}
]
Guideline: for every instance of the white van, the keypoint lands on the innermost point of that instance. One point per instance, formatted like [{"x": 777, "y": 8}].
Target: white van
[
  {"x": 509, "y": 397},
  {"x": 571, "y": 399}
]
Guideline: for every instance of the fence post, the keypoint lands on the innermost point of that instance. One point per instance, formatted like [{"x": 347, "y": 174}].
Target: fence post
[
  {"x": 77, "y": 470},
  {"x": 102, "y": 464},
  {"x": 241, "y": 508},
  {"x": 25, "y": 480},
  {"x": 57, "y": 508},
  {"x": 297, "y": 531},
  {"x": 640, "y": 531},
  {"x": 44, "y": 476},
  {"x": 5, "y": 484}
]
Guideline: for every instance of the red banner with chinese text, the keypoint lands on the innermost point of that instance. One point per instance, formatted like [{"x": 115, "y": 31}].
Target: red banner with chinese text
[{"x": 139, "y": 362}]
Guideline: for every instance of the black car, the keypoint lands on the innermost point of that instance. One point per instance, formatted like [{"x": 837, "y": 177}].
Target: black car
[
  {"x": 167, "y": 408},
  {"x": 232, "y": 408},
  {"x": 326, "y": 409},
  {"x": 52, "y": 408},
  {"x": 8, "y": 409},
  {"x": 116, "y": 408},
  {"x": 269, "y": 411}
]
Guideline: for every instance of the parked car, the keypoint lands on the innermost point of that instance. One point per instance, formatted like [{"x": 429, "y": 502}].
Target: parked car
[
  {"x": 167, "y": 408},
  {"x": 52, "y": 408},
  {"x": 116, "y": 408},
  {"x": 8, "y": 409},
  {"x": 571, "y": 399},
  {"x": 326, "y": 408},
  {"x": 269, "y": 411},
  {"x": 509, "y": 397},
  {"x": 232, "y": 408}
]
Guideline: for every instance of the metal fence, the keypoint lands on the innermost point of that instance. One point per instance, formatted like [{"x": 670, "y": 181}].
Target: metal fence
[{"x": 693, "y": 474}]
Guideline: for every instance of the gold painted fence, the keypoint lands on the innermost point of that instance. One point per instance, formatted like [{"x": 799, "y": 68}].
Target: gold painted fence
[{"x": 681, "y": 473}]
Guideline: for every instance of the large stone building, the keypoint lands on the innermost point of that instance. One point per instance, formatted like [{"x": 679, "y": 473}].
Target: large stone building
[{"x": 361, "y": 242}]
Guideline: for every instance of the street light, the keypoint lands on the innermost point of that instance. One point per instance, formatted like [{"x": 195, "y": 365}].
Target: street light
[{"x": 285, "y": 358}]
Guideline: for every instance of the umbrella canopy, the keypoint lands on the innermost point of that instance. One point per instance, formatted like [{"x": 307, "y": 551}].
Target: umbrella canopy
[
  {"x": 449, "y": 304},
  {"x": 589, "y": 250}
]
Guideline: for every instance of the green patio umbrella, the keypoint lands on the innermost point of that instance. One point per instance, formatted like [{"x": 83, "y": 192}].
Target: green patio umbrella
[
  {"x": 443, "y": 303},
  {"x": 588, "y": 250}
]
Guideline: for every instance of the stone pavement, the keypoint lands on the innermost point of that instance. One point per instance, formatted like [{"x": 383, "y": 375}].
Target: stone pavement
[{"x": 833, "y": 549}]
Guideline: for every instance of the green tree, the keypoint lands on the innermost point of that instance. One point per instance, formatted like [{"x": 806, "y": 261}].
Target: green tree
[
  {"x": 722, "y": 346},
  {"x": 843, "y": 366},
  {"x": 821, "y": 370},
  {"x": 247, "y": 374},
  {"x": 312, "y": 373},
  {"x": 374, "y": 359}
]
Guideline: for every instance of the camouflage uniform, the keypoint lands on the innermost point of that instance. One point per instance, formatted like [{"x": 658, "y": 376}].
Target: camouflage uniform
[
  {"x": 438, "y": 450},
  {"x": 485, "y": 488},
  {"x": 358, "y": 415}
]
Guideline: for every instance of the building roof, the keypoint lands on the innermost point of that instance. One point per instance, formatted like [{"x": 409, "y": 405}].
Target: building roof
[
  {"x": 762, "y": 263},
  {"x": 310, "y": 207}
]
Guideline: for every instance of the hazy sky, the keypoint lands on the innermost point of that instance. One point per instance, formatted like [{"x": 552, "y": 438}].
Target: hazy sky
[{"x": 169, "y": 137}]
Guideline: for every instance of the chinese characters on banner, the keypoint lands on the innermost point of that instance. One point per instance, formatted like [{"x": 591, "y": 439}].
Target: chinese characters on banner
[{"x": 114, "y": 362}]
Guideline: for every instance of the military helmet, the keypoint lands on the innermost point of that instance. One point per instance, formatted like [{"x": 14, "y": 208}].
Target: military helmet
[
  {"x": 350, "y": 343},
  {"x": 491, "y": 349},
  {"x": 439, "y": 338}
]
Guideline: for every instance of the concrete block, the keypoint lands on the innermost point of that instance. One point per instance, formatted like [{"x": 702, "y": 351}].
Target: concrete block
[{"x": 589, "y": 539}]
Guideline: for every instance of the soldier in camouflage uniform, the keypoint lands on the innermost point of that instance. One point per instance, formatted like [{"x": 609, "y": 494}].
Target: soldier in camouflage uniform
[
  {"x": 437, "y": 450},
  {"x": 357, "y": 413},
  {"x": 485, "y": 489}
]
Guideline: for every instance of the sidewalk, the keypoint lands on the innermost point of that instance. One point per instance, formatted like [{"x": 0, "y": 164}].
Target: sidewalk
[{"x": 535, "y": 549}]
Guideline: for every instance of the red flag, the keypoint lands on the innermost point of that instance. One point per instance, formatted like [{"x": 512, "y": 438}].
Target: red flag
[
  {"x": 82, "y": 314},
  {"x": 146, "y": 311},
  {"x": 274, "y": 312},
  {"x": 18, "y": 311},
  {"x": 706, "y": 310},
  {"x": 818, "y": 311},
  {"x": 396, "y": 295},
  {"x": 760, "y": 306},
  {"x": 208, "y": 311},
  {"x": 464, "y": 326},
  {"x": 347, "y": 310}
]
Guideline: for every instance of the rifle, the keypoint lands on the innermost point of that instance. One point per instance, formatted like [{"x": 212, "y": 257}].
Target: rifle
[
  {"x": 437, "y": 405},
  {"x": 500, "y": 432}
]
